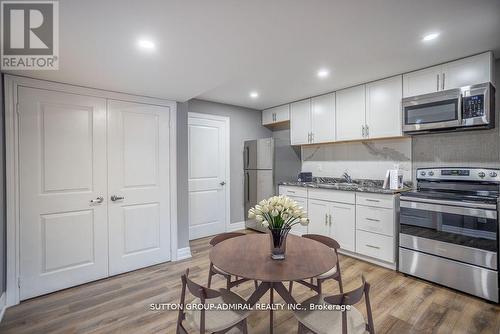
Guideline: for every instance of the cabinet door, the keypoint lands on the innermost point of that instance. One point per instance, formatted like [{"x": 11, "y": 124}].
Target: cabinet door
[
  {"x": 282, "y": 113},
  {"x": 350, "y": 113},
  {"x": 468, "y": 71},
  {"x": 300, "y": 122},
  {"x": 318, "y": 212},
  {"x": 299, "y": 229},
  {"x": 343, "y": 225},
  {"x": 267, "y": 116},
  {"x": 422, "y": 82},
  {"x": 383, "y": 107},
  {"x": 323, "y": 118}
]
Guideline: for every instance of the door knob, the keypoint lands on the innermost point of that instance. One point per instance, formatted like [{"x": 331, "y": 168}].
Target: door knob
[
  {"x": 222, "y": 183},
  {"x": 98, "y": 200},
  {"x": 115, "y": 198}
]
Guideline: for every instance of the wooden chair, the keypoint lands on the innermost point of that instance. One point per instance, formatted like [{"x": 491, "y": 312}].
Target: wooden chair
[
  {"x": 333, "y": 273},
  {"x": 206, "y": 319},
  {"x": 214, "y": 270},
  {"x": 337, "y": 321}
]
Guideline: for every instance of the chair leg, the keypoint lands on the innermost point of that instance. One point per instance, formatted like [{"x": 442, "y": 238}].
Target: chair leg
[
  {"x": 290, "y": 287},
  {"x": 210, "y": 274},
  {"x": 311, "y": 282},
  {"x": 339, "y": 279},
  {"x": 256, "y": 284},
  {"x": 319, "y": 286},
  {"x": 301, "y": 329},
  {"x": 228, "y": 282},
  {"x": 244, "y": 326}
]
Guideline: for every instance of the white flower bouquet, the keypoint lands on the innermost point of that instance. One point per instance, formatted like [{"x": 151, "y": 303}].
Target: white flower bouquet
[{"x": 278, "y": 212}]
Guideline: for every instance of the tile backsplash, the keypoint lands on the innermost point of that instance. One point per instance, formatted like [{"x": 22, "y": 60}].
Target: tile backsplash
[{"x": 362, "y": 160}]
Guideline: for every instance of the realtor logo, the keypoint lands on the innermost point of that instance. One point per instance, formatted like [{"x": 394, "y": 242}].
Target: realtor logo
[{"x": 30, "y": 35}]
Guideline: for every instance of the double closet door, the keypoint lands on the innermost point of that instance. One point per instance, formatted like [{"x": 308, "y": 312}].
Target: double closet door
[{"x": 94, "y": 188}]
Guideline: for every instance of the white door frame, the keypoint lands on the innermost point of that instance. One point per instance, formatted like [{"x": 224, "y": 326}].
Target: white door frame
[
  {"x": 11, "y": 84},
  {"x": 227, "y": 122}
]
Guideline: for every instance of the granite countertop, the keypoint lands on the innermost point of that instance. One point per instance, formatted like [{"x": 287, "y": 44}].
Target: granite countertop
[{"x": 359, "y": 185}]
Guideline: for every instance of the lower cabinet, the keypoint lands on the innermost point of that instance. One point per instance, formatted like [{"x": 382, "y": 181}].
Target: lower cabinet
[
  {"x": 298, "y": 229},
  {"x": 375, "y": 245}
]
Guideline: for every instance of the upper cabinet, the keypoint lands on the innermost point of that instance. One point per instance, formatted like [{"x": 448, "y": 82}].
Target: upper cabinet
[
  {"x": 463, "y": 72},
  {"x": 300, "y": 122},
  {"x": 350, "y": 113},
  {"x": 312, "y": 121},
  {"x": 276, "y": 115},
  {"x": 383, "y": 108}
]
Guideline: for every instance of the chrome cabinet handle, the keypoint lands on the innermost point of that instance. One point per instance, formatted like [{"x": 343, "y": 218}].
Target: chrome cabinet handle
[
  {"x": 367, "y": 131},
  {"x": 437, "y": 83},
  {"x": 330, "y": 220},
  {"x": 372, "y": 200},
  {"x": 371, "y": 246},
  {"x": 363, "y": 131},
  {"x": 326, "y": 218},
  {"x": 222, "y": 183},
  {"x": 98, "y": 200},
  {"x": 115, "y": 198},
  {"x": 373, "y": 220},
  {"x": 444, "y": 76}
]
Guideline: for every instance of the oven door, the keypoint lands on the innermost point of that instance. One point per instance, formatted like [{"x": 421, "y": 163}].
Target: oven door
[
  {"x": 461, "y": 233},
  {"x": 434, "y": 111}
]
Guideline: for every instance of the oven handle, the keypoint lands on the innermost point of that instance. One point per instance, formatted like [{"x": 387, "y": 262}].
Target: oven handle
[
  {"x": 453, "y": 203},
  {"x": 481, "y": 213}
]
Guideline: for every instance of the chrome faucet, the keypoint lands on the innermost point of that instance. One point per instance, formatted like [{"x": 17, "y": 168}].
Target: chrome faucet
[{"x": 347, "y": 177}]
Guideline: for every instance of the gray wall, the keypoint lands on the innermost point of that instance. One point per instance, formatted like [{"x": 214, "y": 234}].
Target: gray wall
[
  {"x": 461, "y": 149},
  {"x": 3, "y": 259},
  {"x": 245, "y": 124}
]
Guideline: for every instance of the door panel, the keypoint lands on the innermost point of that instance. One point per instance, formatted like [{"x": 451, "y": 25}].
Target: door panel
[
  {"x": 265, "y": 153},
  {"x": 318, "y": 217},
  {"x": 138, "y": 165},
  {"x": 468, "y": 71},
  {"x": 422, "y": 82},
  {"x": 62, "y": 167},
  {"x": 299, "y": 229},
  {"x": 323, "y": 118},
  {"x": 207, "y": 155},
  {"x": 350, "y": 113},
  {"x": 300, "y": 122},
  {"x": 343, "y": 225}
]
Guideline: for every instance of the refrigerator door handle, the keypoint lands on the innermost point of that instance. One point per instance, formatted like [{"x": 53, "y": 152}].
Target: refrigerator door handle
[
  {"x": 247, "y": 157},
  {"x": 247, "y": 187}
]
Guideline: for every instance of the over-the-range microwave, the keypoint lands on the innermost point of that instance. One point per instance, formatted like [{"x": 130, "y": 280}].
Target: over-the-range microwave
[{"x": 465, "y": 108}]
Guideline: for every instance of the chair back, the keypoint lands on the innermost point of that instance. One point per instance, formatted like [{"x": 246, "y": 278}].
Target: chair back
[
  {"x": 351, "y": 298},
  {"x": 224, "y": 236}
]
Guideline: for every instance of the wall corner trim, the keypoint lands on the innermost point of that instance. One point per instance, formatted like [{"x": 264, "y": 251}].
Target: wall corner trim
[{"x": 183, "y": 253}]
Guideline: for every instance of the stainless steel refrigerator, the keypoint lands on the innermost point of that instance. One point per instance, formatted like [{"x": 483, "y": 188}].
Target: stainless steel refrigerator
[{"x": 266, "y": 163}]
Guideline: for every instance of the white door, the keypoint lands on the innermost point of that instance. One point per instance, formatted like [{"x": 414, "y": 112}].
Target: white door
[
  {"x": 62, "y": 168},
  {"x": 300, "y": 122},
  {"x": 343, "y": 225},
  {"x": 138, "y": 174},
  {"x": 423, "y": 81},
  {"x": 299, "y": 229},
  {"x": 208, "y": 152},
  {"x": 383, "y": 107},
  {"x": 468, "y": 71},
  {"x": 323, "y": 118},
  {"x": 350, "y": 113},
  {"x": 318, "y": 217}
]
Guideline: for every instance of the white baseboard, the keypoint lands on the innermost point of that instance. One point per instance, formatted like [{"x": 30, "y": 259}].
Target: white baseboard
[
  {"x": 3, "y": 305},
  {"x": 183, "y": 253},
  {"x": 384, "y": 264},
  {"x": 236, "y": 226}
]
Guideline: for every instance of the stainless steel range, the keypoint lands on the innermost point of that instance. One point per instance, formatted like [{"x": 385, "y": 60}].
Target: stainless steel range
[{"x": 449, "y": 229}]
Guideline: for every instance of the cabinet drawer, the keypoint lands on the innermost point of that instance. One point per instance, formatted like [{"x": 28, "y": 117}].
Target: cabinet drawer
[
  {"x": 375, "y": 245},
  {"x": 340, "y": 196},
  {"x": 372, "y": 219},
  {"x": 293, "y": 191},
  {"x": 377, "y": 200}
]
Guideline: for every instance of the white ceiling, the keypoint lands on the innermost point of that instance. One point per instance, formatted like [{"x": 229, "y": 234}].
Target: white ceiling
[{"x": 221, "y": 50}]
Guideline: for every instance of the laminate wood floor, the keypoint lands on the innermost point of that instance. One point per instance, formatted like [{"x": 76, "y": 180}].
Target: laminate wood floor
[{"x": 121, "y": 304}]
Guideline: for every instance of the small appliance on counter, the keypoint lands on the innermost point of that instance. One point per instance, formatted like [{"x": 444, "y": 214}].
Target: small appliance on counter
[
  {"x": 393, "y": 179},
  {"x": 305, "y": 177}
]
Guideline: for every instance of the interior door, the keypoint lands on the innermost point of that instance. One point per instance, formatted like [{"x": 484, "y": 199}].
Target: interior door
[
  {"x": 318, "y": 217},
  {"x": 323, "y": 118},
  {"x": 300, "y": 122},
  {"x": 207, "y": 155},
  {"x": 350, "y": 113},
  {"x": 139, "y": 189},
  {"x": 63, "y": 198}
]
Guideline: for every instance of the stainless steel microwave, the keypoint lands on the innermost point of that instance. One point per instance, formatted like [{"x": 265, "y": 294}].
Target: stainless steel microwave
[{"x": 465, "y": 108}]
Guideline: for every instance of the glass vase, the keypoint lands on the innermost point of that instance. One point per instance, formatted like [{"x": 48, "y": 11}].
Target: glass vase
[{"x": 277, "y": 237}]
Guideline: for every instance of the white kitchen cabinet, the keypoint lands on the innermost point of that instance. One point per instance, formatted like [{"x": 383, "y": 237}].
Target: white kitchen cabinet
[
  {"x": 375, "y": 245},
  {"x": 318, "y": 212},
  {"x": 298, "y": 229},
  {"x": 422, "y": 82},
  {"x": 342, "y": 225},
  {"x": 463, "y": 72},
  {"x": 300, "y": 120},
  {"x": 350, "y": 113},
  {"x": 468, "y": 71},
  {"x": 383, "y": 108},
  {"x": 323, "y": 118},
  {"x": 276, "y": 115}
]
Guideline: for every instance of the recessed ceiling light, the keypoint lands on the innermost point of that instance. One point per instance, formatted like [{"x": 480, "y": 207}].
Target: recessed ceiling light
[
  {"x": 323, "y": 73},
  {"x": 430, "y": 37},
  {"x": 146, "y": 44},
  {"x": 254, "y": 95}
]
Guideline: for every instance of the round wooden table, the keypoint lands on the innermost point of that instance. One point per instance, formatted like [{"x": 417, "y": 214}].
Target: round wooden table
[{"x": 249, "y": 257}]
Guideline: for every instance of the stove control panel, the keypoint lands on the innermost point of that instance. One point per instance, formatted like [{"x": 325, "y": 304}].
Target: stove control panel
[{"x": 463, "y": 174}]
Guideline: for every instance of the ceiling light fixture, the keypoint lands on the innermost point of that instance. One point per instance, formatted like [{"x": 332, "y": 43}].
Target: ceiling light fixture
[
  {"x": 323, "y": 73},
  {"x": 254, "y": 95},
  {"x": 430, "y": 37},
  {"x": 146, "y": 44}
]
